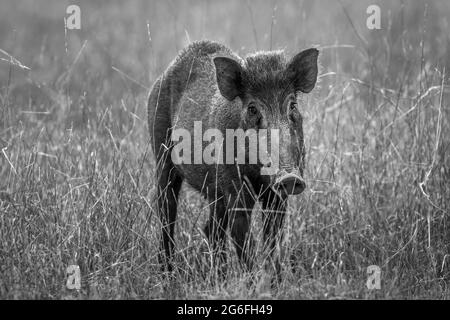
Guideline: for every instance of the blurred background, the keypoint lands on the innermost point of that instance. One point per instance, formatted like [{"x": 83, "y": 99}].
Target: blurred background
[{"x": 140, "y": 38}]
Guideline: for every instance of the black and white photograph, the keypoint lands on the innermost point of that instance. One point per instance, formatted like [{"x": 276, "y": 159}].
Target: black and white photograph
[{"x": 237, "y": 151}]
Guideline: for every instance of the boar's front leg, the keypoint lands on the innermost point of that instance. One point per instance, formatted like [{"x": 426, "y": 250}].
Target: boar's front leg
[
  {"x": 215, "y": 231},
  {"x": 239, "y": 210},
  {"x": 274, "y": 211}
]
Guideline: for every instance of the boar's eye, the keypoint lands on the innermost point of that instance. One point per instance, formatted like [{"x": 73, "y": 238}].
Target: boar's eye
[
  {"x": 252, "y": 110},
  {"x": 293, "y": 111},
  {"x": 292, "y": 106}
]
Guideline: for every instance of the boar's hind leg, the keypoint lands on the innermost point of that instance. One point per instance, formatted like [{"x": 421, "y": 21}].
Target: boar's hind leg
[
  {"x": 169, "y": 185},
  {"x": 215, "y": 231},
  {"x": 274, "y": 210}
]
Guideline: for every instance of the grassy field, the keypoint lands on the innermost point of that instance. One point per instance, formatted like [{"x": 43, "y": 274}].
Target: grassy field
[{"x": 77, "y": 171}]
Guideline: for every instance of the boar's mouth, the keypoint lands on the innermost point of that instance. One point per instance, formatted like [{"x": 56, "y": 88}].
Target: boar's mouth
[{"x": 289, "y": 184}]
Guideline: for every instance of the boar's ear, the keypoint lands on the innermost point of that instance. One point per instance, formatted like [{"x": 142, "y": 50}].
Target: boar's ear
[
  {"x": 229, "y": 77},
  {"x": 302, "y": 70}
]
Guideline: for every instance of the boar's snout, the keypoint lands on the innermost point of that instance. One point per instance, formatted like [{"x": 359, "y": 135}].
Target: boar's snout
[{"x": 289, "y": 183}]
